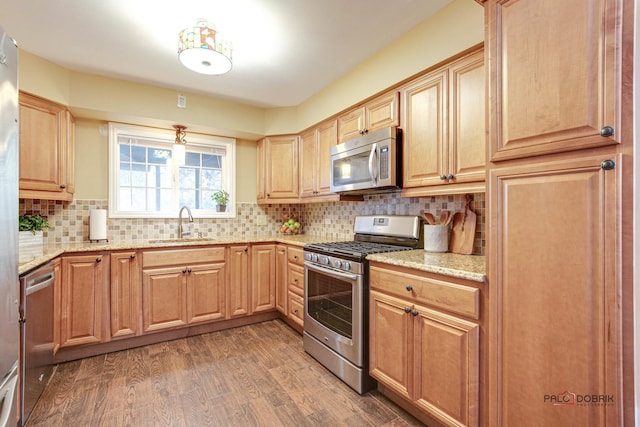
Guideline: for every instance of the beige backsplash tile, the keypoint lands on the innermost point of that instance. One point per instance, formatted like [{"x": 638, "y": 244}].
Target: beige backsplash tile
[{"x": 334, "y": 220}]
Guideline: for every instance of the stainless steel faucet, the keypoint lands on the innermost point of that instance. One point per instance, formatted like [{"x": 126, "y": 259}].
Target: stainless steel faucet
[{"x": 182, "y": 230}]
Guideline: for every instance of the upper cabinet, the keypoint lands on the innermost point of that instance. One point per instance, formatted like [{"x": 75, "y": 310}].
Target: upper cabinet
[
  {"x": 46, "y": 149},
  {"x": 378, "y": 113},
  {"x": 315, "y": 162},
  {"x": 444, "y": 137},
  {"x": 557, "y": 78},
  {"x": 278, "y": 176}
]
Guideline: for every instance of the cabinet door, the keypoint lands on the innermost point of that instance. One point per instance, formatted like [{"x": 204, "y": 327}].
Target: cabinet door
[
  {"x": 125, "y": 294},
  {"x": 308, "y": 163},
  {"x": 263, "y": 277},
  {"x": 206, "y": 292},
  {"x": 382, "y": 112},
  {"x": 446, "y": 354},
  {"x": 327, "y": 137},
  {"x": 238, "y": 288},
  {"x": 556, "y": 330},
  {"x": 391, "y": 341},
  {"x": 261, "y": 172},
  {"x": 43, "y": 135},
  {"x": 425, "y": 130},
  {"x": 556, "y": 75},
  {"x": 164, "y": 298},
  {"x": 351, "y": 124},
  {"x": 467, "y": 121},
  {"x": 282, "y": 283},
  {"x": 83, "y": 300},
  {"x": 282, "y": 179}
]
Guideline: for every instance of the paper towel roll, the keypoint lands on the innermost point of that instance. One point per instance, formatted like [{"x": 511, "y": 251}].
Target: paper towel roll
[{"x": 98, "y": 225}]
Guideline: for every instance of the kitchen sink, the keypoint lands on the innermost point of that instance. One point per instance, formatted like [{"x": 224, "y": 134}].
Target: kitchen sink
[{"x": 199, "y": 240}]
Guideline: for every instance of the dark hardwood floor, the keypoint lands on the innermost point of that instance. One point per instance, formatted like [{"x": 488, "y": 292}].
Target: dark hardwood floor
[{"x": 256, "y": 375}]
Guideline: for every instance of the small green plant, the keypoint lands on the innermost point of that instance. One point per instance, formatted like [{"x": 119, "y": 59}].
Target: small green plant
[
  {"x": 221, "y": 197},
  {"x": 32, "y": 223}
]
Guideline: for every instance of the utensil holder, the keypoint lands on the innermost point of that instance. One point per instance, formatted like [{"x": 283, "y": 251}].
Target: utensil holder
[{"x": 436, "y": 238}]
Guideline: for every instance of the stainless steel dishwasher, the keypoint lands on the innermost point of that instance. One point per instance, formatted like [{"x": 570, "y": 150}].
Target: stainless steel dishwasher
[{"x": 36, "y": 337}]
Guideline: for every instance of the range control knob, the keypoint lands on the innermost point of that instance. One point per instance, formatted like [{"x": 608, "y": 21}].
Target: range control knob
[
  {"x": 346, "y": 266},
  {"x": 307, "y": 257},
  {"x": 337, "y": 263},
  {"x": 325, "y": 260},
  {"x": 314, "y": 258}
]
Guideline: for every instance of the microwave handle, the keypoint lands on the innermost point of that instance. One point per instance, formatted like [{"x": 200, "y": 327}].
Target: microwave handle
[{"x": 374, "y": 177}]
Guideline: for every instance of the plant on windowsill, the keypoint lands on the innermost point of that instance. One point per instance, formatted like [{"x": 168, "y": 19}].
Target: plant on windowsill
[
  {"x": 30, "y": 236},
  {"x": 221, "y": 197}
]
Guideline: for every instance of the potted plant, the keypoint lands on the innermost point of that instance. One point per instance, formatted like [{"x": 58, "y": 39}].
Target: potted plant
[
  {"x": 221, "y": 197},
  {"x": 30, "y": 236}
]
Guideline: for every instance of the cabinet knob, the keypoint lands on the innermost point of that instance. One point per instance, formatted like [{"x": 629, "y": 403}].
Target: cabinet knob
[
  {"x": 608, "y": 165},
  {"x": 98, "y": 259},
  {"x": 295, "y": 280},
  {"x": 443, "y": 177},
  {"x": 414, "y": 312},
  {"x": 246, "y": 249},
  {"x": 450, "y": 176},
  {"x": 409, "y": 288},
  {"x": 607, "y": 131},
  {"x": 189, "y": 270},
  {"x": 63, "y": 186},
  {"x": 132, "y": 256},
  {"x": 407, "y": 310},
  {"x": 295, "y": 257},
  {"x": 184, "y": 270},
  {"x": 295, "y": 311}
]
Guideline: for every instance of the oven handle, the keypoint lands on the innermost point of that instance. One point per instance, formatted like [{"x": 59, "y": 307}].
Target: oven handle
[{"x": 332, "y": 273}]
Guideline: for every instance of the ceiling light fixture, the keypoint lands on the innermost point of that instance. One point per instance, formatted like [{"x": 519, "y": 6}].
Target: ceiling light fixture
[
  {"x": 200, "y": 49},
  {"x": 179, "y": 148}
]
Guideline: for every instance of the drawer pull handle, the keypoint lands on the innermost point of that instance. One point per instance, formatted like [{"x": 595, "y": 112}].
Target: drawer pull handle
[{"x": 409, "y": 288}]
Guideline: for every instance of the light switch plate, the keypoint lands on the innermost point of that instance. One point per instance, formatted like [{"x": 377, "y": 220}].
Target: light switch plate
[{"x": 182, "y": 101}]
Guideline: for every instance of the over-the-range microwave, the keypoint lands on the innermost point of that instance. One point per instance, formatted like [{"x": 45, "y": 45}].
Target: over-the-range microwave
[{"x": 368, "y": 164}]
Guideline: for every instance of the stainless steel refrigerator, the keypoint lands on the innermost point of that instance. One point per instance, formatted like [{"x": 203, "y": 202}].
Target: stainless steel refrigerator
[{"x": 9, "y": 328}]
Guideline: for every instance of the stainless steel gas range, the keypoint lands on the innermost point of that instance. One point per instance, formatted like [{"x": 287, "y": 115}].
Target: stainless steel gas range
[{"x": 336, "y": 312}]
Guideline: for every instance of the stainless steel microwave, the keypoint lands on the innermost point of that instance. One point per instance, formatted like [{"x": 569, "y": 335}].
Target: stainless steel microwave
[{"x": 368, "y": 164}]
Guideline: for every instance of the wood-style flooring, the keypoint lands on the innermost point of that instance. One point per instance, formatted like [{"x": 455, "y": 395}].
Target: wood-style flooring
[{"x": 256, "y": 375}]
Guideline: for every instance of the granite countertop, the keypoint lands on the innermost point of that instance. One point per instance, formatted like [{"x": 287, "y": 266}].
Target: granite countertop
[
  {"x": 53, "y": 251},
  {"x": 470, "y": 267}
]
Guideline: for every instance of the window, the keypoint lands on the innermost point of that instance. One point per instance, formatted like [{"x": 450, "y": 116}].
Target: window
[{"x": 144, "y": 182}]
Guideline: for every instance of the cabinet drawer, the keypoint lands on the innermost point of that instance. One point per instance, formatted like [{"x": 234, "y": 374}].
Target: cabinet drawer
[
  {"x": 296, "y": 308},
  {"x": 182, "y": 256},
  {"x": 296, "y": 279},
  {"x": 447, "y": 295},
  {"x": 295, "y": 256}
]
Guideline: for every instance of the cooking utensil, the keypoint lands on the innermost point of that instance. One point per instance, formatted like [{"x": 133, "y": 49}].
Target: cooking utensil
[
  {"x": 449, "y": 218},
  {"x": 429, "y": 218},
  {"x": 463, "y": 230},
  {"x": 444, "y": 217}
]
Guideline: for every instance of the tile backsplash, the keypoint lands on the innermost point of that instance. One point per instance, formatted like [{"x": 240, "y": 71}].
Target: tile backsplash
[{"x": 69, "y": 222}]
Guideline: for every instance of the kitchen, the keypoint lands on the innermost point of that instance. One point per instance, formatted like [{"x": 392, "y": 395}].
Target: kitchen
[{"x": 85, "y": 93}]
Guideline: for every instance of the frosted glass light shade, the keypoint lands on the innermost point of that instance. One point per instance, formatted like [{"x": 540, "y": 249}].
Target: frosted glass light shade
[{"x": 200, "y": 49}]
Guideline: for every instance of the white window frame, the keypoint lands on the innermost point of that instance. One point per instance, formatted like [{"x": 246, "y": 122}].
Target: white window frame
[{"x": 118, "y": 130}]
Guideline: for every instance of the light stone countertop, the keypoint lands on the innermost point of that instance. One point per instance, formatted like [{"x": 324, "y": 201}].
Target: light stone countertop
[{"x": 470, "y": 267}]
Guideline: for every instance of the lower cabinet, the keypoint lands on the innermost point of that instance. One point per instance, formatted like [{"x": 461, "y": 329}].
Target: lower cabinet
[
  {"x": 295, "y": 279},
  {"x": 125, "y": 294},
  {"x": 182, "y": 294},
  {"x": 263, "y": 277},
  {"x": 83, "y": 300},
  {"x": 238, "y": 289},
  {"x": 282, "y": 284},
  {"x": 428, "y": 357}
]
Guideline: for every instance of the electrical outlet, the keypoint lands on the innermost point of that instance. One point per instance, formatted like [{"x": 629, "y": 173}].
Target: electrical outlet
[{"x": 262, "y": 220}]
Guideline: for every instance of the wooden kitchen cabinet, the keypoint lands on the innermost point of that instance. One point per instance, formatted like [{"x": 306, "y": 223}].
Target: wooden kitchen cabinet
[
  {"x": 239, "y": 281},
  {"x": 263, "y": 277},
  {"x": 380, "y": 112},
  {"x": 47, "y": 133},
  {"x": 444, "y": 137},
  {"x": 554, "y": 90},
  {"x": 125, "y": 294},
  {"x": 315, "y": 162},
  {"x": 282, "y": 285},
  {"x": 84, "y": 300},
  {"x": 556, "y": 309},
  {"x": 278, "y": 174},
  {"x": 295, "y": 278},
  {"x": 182, "y": 286},
  {"x": 426, "y": 355}
]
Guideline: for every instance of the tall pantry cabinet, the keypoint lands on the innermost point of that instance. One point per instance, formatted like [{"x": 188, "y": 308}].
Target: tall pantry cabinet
[{"x": 560, "y": 219}]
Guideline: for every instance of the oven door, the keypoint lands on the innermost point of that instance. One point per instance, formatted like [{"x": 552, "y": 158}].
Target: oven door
[{"x": 333, "y": 310}]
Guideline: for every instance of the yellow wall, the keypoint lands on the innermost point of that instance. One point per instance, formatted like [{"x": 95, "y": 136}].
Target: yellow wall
[{"x": 94, "y": 100}]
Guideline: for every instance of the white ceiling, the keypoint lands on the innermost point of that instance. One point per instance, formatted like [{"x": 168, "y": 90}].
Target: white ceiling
[{"x": 284, "y": 50}]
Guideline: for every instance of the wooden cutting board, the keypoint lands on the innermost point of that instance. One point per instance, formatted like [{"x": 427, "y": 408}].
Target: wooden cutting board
[{"x": 463, "y": 232}]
